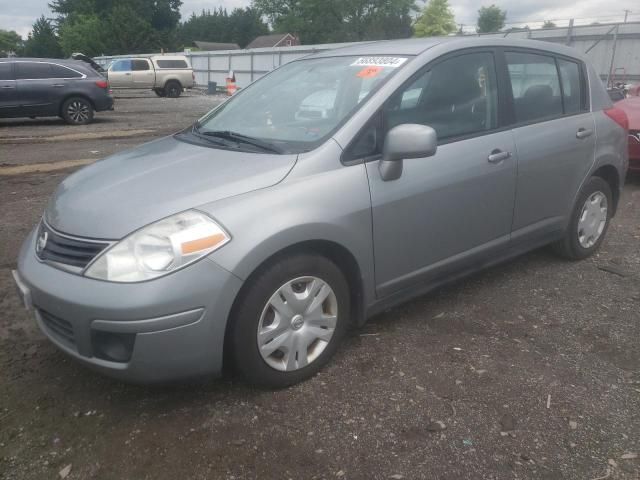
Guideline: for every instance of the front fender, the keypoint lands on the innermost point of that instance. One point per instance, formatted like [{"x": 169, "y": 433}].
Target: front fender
[{"x": 332, "y": 206}]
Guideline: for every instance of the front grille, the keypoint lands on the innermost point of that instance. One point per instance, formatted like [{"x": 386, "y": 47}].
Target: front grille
[
  {"x": 58, "y": 328},
  {"x": 66, "y": 250}
]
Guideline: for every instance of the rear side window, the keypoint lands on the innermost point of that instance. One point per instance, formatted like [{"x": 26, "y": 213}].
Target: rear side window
[
  {"x": 570, "y": 77},
  {"x": 139, "y": 65},
  {"x": 32, "y": 71},
  {"x": 58, "y": 71},
  {"x": 121, "y": 66},
  {"x": 456, "y": 97},
  {"x": 535, "y": 85},
  {"x": 6, "y": 72},
  {"x": 172, "y": 64}
]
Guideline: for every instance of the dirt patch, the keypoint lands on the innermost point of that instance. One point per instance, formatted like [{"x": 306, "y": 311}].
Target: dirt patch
[{"x": 43, "y": 167}]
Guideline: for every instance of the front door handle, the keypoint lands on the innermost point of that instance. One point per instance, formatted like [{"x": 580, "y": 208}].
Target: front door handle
[
  {"x": 584, "y": 133},
  {"x": 498, "y": 156},
  {"x": 7, "y": 86},
  {"x": 58, "y": 85}
]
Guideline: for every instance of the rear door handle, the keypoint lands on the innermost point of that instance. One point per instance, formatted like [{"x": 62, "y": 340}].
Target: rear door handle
[
  {"x": 7, "y": 86},
  {"x": 498, "y": 156},
  {"x": 58, "y": 85},
  {"x": 584, "y": 133}
]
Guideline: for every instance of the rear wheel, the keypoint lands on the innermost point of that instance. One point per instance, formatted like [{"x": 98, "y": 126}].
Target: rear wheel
[
  {"x": 589, "y": 221},
  {"x": 290, "y": 321},
  {"x": 173, "y": 89},
  {"x": 77, "y": 111},
  {"x": 160, "y": 92}
]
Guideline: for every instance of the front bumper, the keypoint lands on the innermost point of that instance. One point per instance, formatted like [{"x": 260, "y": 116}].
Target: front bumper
[{"x": 173, "y": 326}]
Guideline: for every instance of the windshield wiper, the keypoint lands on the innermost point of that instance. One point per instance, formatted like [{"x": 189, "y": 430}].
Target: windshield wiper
[{"x": 240, "y": 138}]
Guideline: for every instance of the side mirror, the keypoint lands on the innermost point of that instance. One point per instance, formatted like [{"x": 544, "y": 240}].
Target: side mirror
[{"x": 409, "y": 140}]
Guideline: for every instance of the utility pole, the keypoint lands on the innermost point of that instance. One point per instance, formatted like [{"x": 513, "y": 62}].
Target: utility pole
[{"x": 626, "y": 14}]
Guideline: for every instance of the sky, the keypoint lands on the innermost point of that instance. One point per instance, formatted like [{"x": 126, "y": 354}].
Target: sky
[{"x": 19, "y": 15}]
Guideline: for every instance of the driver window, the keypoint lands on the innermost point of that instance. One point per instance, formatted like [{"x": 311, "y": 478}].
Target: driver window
[
  {"x": 455, "y": 97},
  {"x": 121, "y": 66}
]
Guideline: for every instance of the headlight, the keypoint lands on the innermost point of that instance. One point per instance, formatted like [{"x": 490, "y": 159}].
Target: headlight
[{"x": 159, "y": 248}]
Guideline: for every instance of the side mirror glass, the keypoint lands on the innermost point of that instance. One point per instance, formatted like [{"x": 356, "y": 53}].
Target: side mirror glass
[{"x": 409, "y": 140}]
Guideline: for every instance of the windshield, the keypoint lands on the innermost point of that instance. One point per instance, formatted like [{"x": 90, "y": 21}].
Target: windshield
[{"x": 299, "y": 105}]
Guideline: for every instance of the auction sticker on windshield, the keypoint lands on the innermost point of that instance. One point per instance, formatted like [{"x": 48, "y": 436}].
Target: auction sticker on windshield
[{"x": 391, "y": 62}]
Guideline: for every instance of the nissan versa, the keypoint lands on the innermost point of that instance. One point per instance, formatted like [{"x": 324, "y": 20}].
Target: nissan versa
[{"x": 331, "y": 189}]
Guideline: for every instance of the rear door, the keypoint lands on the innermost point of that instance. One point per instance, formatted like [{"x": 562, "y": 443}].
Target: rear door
[
  {"x": 8, "y": 98},
  {"x": 143, "y": 73},
  {"x": 120, "y": 74},
  {"x": 555, "y": 138},
  {"x": 34, "y": 88}
]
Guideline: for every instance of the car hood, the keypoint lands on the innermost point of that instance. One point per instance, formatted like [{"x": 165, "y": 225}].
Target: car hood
[{"x": 122, "y": 193}]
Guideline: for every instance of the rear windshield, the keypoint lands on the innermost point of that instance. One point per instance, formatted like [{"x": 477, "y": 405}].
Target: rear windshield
[{"x": 172, "y": 63}]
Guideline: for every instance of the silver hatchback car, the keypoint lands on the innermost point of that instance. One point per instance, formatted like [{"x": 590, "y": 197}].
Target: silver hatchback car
[{"x": 331, "y": 189}]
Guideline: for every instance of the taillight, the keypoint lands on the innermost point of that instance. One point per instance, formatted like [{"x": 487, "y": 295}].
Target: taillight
[
  {"x": 102, "y": 84},
  {"x": 619, "y": 116}
]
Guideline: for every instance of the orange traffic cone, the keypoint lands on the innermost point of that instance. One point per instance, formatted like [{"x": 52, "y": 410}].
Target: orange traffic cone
[{"x": 231, "y": 84}]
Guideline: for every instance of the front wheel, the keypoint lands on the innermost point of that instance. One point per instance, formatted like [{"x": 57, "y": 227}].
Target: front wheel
[
  {"x": 290, "y": 321},
  {"x": 77, "y": 111},
  {"x": 589, "y": 221},
  {"x": 160, "y": 92}
]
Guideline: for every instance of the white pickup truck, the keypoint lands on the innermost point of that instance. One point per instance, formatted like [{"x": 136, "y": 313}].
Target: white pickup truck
[{"x": 166, "y": 75}]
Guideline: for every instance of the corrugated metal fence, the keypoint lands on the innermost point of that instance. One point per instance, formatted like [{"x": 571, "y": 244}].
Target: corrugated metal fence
[{"x": 596, "y": 40}]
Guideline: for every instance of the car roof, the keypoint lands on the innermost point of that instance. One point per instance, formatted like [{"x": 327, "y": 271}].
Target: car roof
[
  {"x": 78, "y": 65},
  {"x": 416, "y": 46}
]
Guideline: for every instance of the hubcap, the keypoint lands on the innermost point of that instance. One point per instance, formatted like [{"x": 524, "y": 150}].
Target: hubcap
[
  {"x": 78, "y": 111},
  {"x": 297, "y": 323},
  {"x": 593, "y": 219}
]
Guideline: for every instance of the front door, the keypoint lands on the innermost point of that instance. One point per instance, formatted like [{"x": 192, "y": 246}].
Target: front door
[
  {"x": 456, "y": 207},
  {"x": 120, "y": 74}
]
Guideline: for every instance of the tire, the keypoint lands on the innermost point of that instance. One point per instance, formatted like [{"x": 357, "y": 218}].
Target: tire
[
  {"x": 160, "y": 92},
  {"x": 580, "y": 243},
  {"x": 77, "y": 111},
  {"x": 173, "y": 89},
  {"x": 301, "y": 275}
]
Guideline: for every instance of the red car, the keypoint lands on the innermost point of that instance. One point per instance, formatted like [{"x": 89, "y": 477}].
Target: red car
[{"x": 631, "y": 106}]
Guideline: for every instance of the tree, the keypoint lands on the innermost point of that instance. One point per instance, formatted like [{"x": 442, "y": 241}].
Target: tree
[
  {"x": 241, "y": 27},
  {"x": 42, "y": 41},
  {"x": 83, "y": 34},
  {"x": 10, "y": 42},
  {"x": 491, "y": 19},
  {"x": 436, "y": 20},
  {"x": 549, "y": 24},
  {"x": 322, "y": 21},
  {"x": 119, "y": 26}
]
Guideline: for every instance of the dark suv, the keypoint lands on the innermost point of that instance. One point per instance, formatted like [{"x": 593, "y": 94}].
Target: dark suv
[{"x": 39, "y": 87}]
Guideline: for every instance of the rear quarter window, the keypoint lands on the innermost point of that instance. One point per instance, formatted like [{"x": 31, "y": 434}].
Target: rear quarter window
[
  {"x": 172, "y": 63},
  {"x": 58, "y": 71}
]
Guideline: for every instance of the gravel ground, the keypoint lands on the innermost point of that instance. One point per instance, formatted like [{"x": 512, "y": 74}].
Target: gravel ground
[{"x": 528, "y": 370}]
